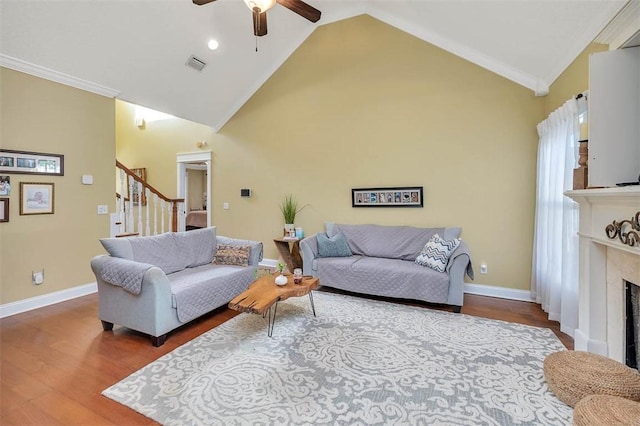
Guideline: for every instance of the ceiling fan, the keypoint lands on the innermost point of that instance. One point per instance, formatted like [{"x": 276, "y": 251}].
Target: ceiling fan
[{"x": 260, "y": 7}]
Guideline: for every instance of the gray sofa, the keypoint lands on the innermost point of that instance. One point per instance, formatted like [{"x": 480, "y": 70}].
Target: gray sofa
[
  {"x": 155, "y": 284},
  {"x": 383, "y": 263}
]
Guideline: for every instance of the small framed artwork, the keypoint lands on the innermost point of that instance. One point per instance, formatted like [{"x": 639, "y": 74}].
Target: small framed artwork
[
  {"x": 4, "y": 210},
  {"x": 27, "y": 162},
  {"x": 410, "y": 196},
  {"x": 5, "y": 185},
  {"x": 139, "y": 198},
  {"x": 36, "y": 198}
]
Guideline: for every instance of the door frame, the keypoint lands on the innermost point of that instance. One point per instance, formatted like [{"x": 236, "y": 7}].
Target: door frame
[{"x": 182, "y": 162}]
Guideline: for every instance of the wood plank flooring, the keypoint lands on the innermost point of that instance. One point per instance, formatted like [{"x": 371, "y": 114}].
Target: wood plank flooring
[{"x": 55, "y": 361}]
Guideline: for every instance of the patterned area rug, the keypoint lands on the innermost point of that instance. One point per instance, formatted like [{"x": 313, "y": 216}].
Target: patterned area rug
[{"x": 358, "y": 362}]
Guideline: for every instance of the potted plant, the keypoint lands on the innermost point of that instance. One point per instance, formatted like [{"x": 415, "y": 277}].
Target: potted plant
[
  {"x": 281, "y": 279},
  {"x": 289, "y": 209}
]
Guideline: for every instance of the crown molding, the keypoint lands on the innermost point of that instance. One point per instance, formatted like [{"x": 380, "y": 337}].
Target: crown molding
[
  {"x": 55, "y": 76},
  {"x": 621, "y": 28}
]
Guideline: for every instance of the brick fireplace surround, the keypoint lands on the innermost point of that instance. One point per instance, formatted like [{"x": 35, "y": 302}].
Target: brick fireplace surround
[{"x": 605, "y": 265}]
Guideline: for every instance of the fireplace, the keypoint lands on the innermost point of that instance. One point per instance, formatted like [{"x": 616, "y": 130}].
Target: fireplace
[
  {"x": 606, "y": 266},
  {"x": 632, "y": 325}
]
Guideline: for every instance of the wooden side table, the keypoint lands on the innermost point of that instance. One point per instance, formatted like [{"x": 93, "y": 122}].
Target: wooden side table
[{"x": 290, "y": 252}]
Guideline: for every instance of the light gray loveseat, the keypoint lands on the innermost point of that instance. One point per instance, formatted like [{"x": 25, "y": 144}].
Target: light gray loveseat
[
  {"x": 383, "y": 263},
  {"x": 155, "y": 284}
]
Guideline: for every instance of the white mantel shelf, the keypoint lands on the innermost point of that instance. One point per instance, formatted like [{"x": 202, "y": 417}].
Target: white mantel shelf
[
  {"x": 604, "y": 266},
  {"x": 607, "y": 195}
]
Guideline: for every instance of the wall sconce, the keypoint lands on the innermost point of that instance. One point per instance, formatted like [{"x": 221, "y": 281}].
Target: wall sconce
[{"x": 202, "y": 144}]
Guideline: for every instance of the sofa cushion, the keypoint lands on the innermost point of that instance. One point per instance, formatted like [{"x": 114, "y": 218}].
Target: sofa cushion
[
  {"x": 118, "y": 247},
  {"x": 199, "y": 243},
  {"x": 436, "y": 253},
  {"x": 392, "y": 242},
  {"x": 384, "y": 277},
  {"x": 162, "y": 251},
  {"x": 335, "y": 246},
  {"x": 232, "y": 255}
]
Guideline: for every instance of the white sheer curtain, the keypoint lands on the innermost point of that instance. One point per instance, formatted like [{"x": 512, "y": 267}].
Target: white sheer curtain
[{"x": 554, "y": 277}]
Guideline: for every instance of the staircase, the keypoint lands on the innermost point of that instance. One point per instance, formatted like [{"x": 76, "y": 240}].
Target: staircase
[{"x": 143, "y": 210}]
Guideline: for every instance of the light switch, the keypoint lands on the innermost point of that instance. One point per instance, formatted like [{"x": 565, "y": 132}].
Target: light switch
[{"x": 225, "y": 206}]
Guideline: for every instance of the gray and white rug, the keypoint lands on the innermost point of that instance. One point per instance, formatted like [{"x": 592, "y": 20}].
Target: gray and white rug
[{"x": 358, "y": 362}]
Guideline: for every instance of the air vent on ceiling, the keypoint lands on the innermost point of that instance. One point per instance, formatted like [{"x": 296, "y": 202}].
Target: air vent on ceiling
[{"x": 195, "y": 63}]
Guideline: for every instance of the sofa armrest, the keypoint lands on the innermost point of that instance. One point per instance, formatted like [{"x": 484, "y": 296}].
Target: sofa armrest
[
  {"x": 459, "y": 265},
  {"x": 309, "y": 246},
  {"x": 148, "y": 312},
  {"x": 256, "y": 253}
]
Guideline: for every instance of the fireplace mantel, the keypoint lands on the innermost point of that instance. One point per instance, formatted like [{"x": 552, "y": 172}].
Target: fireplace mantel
[{"x": 604, "y": 264}]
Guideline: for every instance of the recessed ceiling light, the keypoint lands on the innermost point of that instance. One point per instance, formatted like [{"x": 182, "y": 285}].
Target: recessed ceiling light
[{"x": 213, "y": 44}]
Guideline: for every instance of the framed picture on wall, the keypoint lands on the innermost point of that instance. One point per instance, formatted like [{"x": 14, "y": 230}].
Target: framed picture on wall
[
  {"x": 36, "y": 198},
  {"x": 27, "y": 162},
  {"x": 137, "y": 196},
  {"x": 4, "y": 210},
  {"x": 410, "y": 196}
]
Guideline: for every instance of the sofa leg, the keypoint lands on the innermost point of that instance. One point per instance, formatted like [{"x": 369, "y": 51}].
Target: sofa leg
[
  {"x": 107, "y": 326},
  {"x": 457, "y": 309},
  {"x": 158, "y": 340}
]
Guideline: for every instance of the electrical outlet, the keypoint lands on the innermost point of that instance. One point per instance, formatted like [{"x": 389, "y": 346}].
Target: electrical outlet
[
  {"x": 37, "y": 277},
  {"x": 483, "y": 268}
]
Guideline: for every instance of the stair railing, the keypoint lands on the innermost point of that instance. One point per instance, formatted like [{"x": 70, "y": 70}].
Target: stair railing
[{"x": 134, "y": 209}]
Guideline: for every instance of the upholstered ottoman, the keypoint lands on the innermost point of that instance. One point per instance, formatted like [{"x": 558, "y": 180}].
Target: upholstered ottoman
[
  {"x": 573, "y": 375},
  {"x": 606, "y": 410}
]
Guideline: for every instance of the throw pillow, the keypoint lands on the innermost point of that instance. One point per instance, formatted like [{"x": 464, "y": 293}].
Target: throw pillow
[
  {"x": 436, "y": 252},
  {"x": 232, "y": 255},
  {"x": 336, "y": 246}
]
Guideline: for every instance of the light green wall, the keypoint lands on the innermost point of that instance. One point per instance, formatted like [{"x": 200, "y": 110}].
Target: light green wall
[
  {"x": 362, "y": 104},
  {"x": 41, "y": 116}
]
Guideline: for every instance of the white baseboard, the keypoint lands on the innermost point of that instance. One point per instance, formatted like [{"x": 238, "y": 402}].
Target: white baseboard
[
  {"x": 269, "y": 263},
  {"x": 501, "y": 292},
  {"x": 25, "y": 305}
]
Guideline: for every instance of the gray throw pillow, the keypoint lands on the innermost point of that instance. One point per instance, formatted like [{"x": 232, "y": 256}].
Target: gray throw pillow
[{"x": 336, "y": 246}]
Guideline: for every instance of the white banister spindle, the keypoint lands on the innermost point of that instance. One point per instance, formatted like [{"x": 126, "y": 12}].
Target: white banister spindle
[
  {"x": 139, "y": 193},
  {"x": 162, "y": 204},
  {"x": 171, "y": 215},
  {"x": 147, "y": 195},
  {"x": 121, "y": 217},
  {"x": 155, "y": 214},
  {"x": 130, "y": 227}
]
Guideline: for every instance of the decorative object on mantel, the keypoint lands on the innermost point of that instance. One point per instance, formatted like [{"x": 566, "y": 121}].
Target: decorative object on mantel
[
  {"x": 581, "y": 174},
  {"x": 631, "y": 237}
]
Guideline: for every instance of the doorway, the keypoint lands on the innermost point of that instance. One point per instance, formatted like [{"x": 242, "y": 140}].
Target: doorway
[{"x": 194, "y": 166}]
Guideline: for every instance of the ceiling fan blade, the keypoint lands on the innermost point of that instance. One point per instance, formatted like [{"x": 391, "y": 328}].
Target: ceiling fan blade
[
  {"x": 302, "y": 9},
  {"x": 202, "y": 2},
  {"x": 259, "y": 22}
]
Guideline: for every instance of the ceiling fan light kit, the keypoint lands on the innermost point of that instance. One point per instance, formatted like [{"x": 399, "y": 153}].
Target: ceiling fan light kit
[{"x": 259, "y": 10}]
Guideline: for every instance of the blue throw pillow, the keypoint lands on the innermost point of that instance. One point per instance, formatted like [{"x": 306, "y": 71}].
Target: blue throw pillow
[{"x": 336, "y": 246}]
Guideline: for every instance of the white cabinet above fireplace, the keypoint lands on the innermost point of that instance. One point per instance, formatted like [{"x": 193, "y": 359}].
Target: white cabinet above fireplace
[{"x": 614, "y": 117}]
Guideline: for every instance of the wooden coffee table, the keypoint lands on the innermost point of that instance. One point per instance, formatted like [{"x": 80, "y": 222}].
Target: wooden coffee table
[{"x": 264, "y": 293}]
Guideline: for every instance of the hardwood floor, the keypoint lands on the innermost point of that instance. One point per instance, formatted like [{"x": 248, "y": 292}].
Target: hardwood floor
[{"x": 56, "y": 360}]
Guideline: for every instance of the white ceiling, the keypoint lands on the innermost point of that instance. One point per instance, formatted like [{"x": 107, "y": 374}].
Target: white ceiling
[{"x": 136, "y": 49}]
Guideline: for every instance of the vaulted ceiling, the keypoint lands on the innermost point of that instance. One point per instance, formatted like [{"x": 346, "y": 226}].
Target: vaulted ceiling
[{"x": 136, "y": 50}]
